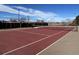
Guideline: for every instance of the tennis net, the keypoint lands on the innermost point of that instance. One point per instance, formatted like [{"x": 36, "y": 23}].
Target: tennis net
[{"x": 65, "y": 28}]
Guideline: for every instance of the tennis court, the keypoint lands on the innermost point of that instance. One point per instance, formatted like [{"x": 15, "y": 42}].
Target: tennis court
[{"x": 30, "y": 41}]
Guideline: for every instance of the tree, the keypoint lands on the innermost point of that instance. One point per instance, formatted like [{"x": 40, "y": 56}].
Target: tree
[{"x": 77, "y": 20}]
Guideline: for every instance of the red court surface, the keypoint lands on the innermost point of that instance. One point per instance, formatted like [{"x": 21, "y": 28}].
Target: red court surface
[{"x": 28, "y": 41}]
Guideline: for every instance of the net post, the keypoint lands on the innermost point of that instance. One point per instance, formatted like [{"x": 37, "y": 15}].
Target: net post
[{"x": 76, "y": 28}]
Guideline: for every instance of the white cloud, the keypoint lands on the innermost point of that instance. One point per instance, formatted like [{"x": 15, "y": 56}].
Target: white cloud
[
  {"x": 40, "y": 14},
  {"x": 47, "y": 16},
  {"x": 8, "y": 9},
  {"x": 44, "y": 14},
  {"x": 23, "y": 8},
  {"x": 19, "y": 7}
]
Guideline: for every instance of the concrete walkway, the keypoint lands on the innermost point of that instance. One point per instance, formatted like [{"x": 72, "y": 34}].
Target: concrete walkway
[{"x": 67, "y": 45}]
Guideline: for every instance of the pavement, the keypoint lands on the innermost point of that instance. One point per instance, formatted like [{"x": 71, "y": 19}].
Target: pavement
[{"x": 67, "y": 45}]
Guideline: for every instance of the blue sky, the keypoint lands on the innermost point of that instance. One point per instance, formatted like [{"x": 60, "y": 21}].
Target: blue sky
[{"x": 47, "y": 12}]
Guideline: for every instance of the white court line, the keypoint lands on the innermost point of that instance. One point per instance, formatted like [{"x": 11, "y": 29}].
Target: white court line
[
  {"x": 30, "y": 43},
  {"x": 51, "y": 44},
  {"x": 34, "y": 33},
  {"x": 14, "y": 29}
]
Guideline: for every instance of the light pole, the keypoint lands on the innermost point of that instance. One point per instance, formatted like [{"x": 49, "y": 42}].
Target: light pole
[
  {"x": 28, "y": 19},
  {"x": 19, "y": 17}
]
